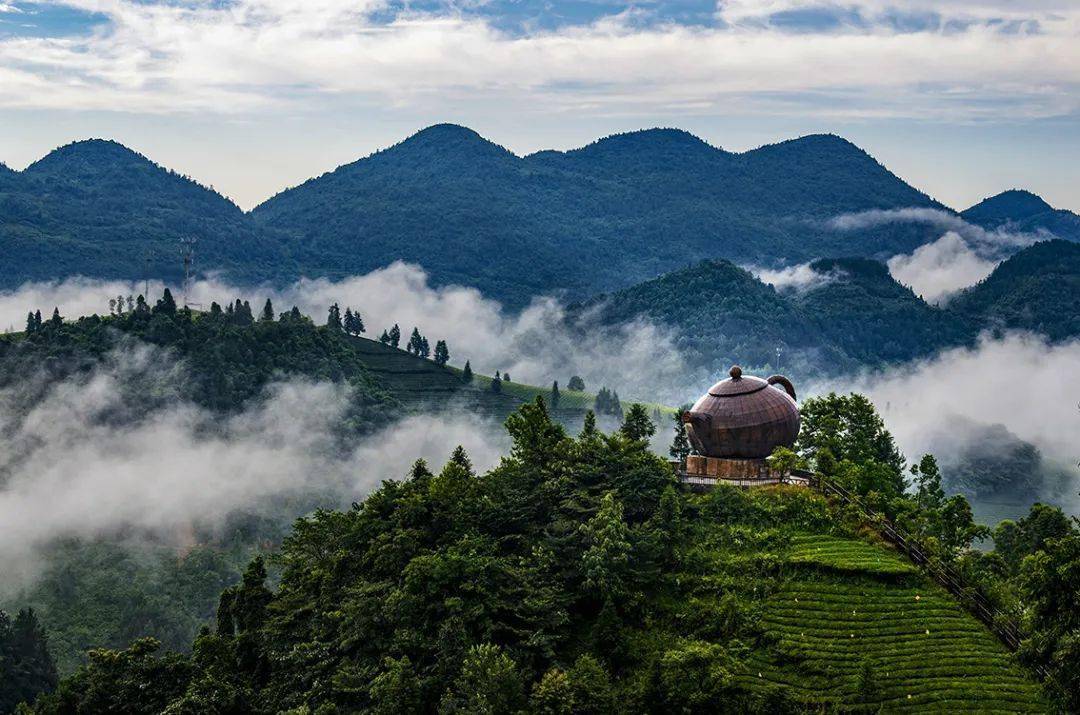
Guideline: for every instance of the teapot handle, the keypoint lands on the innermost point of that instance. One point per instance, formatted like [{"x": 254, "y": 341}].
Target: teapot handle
[{"x": 783, "y": 382}]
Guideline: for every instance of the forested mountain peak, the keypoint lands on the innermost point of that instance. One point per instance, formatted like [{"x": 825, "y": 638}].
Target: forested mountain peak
[
  {"x": 107, "y": 167},
  {"x": 442, "y": 139},
  {"x": 1011, "y": 205},
  {"x": 89, "y": 158},
  {"x": 658, "y": 140}
]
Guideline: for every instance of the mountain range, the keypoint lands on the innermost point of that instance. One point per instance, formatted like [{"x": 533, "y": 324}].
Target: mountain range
[{"x": 604, "y": 217}]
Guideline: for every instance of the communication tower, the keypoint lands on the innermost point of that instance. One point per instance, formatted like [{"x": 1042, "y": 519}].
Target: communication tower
[{"x": 187, "y": 253}]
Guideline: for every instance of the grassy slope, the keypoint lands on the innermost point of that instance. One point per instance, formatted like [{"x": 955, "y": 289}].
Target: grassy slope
[
  {"x": 842, "y": 601},
  {"x": 421, "y": 384}
]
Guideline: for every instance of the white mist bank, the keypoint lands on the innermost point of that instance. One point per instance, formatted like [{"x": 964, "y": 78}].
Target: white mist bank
[
  {"x": 962, "y": 256},
  {"x": 1020, "y": 381},
  {"x": 69, "y": 469}
]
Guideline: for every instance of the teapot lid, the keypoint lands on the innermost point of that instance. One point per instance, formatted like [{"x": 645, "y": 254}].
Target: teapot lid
[{"x": 737, "y": 384}]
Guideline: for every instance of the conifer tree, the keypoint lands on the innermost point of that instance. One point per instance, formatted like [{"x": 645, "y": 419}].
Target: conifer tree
[
  {"x": 555, "y": 395},
  {"x": 496, "y": 384},
  {"x": 166, "y": 305},
  {"x": 637, "y": 426},
  {"x": 680, "y": 443},
  {"x": 267, "y": 312},
  {"x": 588, "y": 429},
  {"x": 414, "y": 342},
  {"x": 333, "y": 318},
  {"x": 442, "y": 353},
  {"x": 395, "y": 335},
  {"x": 37, "y": 320},
  {"x": 425, "y": 349},
  {"x": 27, "y": 668},
  {"x": 215, "y": 309},
  {"x": 56, "y": 321},
  {"x": 384, "y": 338},
  {"x": 31, "y": 326},
  {"x": 347, "y": 321},
  {"x": 467, "y": 374}
]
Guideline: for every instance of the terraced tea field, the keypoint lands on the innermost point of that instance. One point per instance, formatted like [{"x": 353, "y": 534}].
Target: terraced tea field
[
  {"x": 845, "y": 603},
  {"x": 421, "y": 384}
]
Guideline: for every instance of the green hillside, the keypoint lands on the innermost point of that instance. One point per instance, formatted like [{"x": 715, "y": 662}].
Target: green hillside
[
  {"x": 869, "y": 317},
  {"x": 1038, "y": 289},
  {"x": 721, "y": 314},
  {"x": 96, "y": 208},
  {"x": 848, "y": 605},
  {"x": 573, "y": 577}
]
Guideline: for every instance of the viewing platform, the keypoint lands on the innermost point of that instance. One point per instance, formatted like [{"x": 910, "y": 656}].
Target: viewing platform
[{"x": 701, "y": 473}]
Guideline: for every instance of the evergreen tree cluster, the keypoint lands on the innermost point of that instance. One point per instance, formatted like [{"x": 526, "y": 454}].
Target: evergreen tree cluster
[
  {"x": 231, "y": 357},
  {"x": 26, "y": 667},
  {"x": 607, "y": 403},
  {"x": 418, "y": 344}
]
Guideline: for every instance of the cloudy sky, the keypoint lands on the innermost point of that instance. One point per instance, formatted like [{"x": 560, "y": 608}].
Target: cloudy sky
[{"x": 963, "y": 98}]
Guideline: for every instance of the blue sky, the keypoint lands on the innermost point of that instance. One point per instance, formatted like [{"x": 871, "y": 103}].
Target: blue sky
[{"x": 963, "y": 98}]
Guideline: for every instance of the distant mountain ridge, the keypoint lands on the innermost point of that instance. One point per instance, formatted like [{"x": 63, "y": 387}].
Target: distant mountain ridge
[
  {"x": 857, "y": 315},
  {"x": 616, "y": 212},
  {"x": 100, "y": 209},
  {"x": 1023, "y": 212}
]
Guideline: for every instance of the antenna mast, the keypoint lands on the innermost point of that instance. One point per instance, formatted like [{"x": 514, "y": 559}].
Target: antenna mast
[{"x": 187, "y": 253}]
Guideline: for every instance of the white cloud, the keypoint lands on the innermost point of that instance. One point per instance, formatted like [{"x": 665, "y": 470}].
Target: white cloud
[
  {"x": 937, "y": 270},
  {"x": 962, "y": 256},
  {"x": 234, "y": 57},
  {"x": 73, "y": 469},
  {"x": 1020, "y": 381},
  {"x": 799, "y": 278}
]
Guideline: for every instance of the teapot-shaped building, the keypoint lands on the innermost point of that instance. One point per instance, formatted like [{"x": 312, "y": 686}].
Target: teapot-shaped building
[{"x": 738, "y": 423}]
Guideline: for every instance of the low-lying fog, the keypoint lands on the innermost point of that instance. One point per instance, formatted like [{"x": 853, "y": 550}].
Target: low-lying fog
[{"x": 64, "y": 471}]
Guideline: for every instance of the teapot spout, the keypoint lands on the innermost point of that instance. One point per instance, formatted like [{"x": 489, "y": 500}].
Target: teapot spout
[{"x": 696, "y": 419}]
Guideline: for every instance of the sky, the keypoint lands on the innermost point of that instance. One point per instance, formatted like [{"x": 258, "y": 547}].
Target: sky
[{"x": 962, "y": 98}]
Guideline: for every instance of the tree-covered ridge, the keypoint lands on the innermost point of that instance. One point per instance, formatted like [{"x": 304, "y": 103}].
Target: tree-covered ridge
[
  {"x": 861, "y": 310},
  {"x": 596, "y": 218},
  {"x": 618, "y": 211},
  {"x": 576, "y": 577},
  {"x": 97, "y": 208},
  {"x": 856, "y": 315},
  {"x": 230, "y": 356},
  {"x": 1023, "y": 211},
  {"x": 1037, "y": 289}
]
